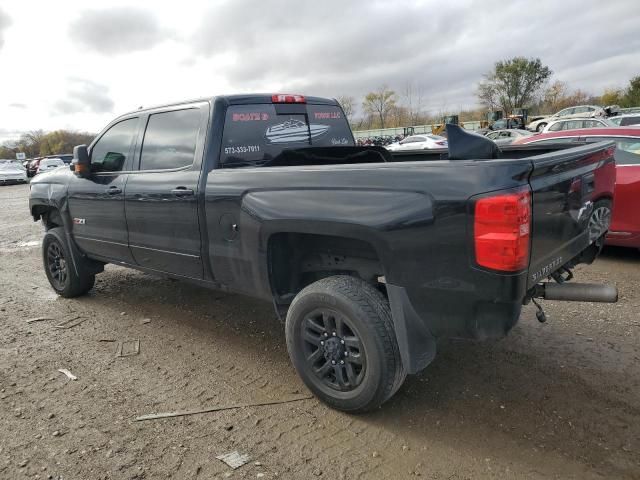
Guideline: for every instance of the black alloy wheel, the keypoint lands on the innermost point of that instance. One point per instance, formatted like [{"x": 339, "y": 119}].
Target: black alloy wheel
[
  {"x": 57, "y": 265},
  {"x": 333, "y": 351}
]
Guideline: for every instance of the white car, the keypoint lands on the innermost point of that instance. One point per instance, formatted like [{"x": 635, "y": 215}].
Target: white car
[
  {"x": 624, "y": 120},
  {"x": 581, "y": 111},
  {"x": 576, "y": 123},
  {"x": 48, "y": 164},
  {"x": 505, "y": 137},
  {"x": 418, "y": 142},
  {"x": 12, "y": 172}
]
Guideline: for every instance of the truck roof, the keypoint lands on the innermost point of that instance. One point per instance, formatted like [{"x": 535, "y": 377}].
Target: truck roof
[{"x": 237, "y": 99}]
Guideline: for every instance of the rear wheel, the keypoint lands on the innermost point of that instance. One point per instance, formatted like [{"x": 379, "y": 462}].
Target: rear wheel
[
  {"x": 67, "y": 280},
  {"x": 341, "y": 341}
]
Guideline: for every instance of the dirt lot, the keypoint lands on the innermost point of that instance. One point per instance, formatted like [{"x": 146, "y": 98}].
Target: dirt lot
[{"x": 554, "y": 400}]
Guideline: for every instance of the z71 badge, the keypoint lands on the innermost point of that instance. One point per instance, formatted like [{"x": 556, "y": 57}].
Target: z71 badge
[{"x": 79, "y": 221}]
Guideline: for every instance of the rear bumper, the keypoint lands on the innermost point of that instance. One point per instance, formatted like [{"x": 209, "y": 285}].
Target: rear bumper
[
  {"x": 12, "y": 181},
  {"x": 487, "y": 309}
]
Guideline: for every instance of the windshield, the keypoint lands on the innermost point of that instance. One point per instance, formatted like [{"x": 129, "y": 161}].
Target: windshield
[{"x": 255, "y": 134}]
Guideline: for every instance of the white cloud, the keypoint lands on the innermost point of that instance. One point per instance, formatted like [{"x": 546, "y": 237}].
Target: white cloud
[{"x": 125, "y": 54}]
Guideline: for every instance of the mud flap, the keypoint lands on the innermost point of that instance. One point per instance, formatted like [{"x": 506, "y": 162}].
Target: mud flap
[{"x": 417, "y": 345}]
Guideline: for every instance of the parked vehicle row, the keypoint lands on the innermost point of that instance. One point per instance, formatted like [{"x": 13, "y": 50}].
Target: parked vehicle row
[
  {"x": 11, "y": 172},
  {"x": 33, "y": 164},
  {"x": 580, "y": 111},
  {"x": 379, "y": 141}
]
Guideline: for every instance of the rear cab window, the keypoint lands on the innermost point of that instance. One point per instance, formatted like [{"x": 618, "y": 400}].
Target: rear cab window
[{"x": 255, "y": 134}]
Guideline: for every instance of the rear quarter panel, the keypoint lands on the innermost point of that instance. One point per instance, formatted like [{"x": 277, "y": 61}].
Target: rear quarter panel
[{"x": 414, "y": 214}]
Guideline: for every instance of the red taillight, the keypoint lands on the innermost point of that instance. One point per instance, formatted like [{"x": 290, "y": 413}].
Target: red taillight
[
  {"x": 286, "y": 98},
  {"x": 501, "y": 231}
]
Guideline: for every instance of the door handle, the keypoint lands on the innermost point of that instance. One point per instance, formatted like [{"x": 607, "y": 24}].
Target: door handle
[
  {"x": 182, "y": 191},
  {"x": 114, "y": 190}
]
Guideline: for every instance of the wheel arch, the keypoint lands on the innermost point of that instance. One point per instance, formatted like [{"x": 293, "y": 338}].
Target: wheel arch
[
  {"x": 297, "y": 259},
  {"x": 50, "y": 215}
]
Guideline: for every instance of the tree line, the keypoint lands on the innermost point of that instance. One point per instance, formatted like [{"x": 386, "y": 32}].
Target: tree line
[
  {"x": 511, "y": 84},
  {"x": 38, "y": 143}
]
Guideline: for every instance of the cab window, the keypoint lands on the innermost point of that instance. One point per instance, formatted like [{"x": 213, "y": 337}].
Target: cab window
[
  {"x": 170, "y": 140},
  {"x": 110, "y": 153}
]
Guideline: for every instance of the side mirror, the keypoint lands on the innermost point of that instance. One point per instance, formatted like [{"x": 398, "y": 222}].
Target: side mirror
[{"x": 81, "y": 164}]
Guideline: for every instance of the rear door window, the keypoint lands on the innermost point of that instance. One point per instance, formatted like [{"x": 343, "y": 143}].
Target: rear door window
[
  {"x": 170, "y": 140},
  {"x": 255, "y": 134}
]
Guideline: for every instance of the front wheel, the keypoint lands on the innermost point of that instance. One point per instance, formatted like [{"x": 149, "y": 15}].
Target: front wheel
[
  {"x": 342, "y": 343},
  {"x": 540, "y": 127},
  {"x": 67, "y": 279}
]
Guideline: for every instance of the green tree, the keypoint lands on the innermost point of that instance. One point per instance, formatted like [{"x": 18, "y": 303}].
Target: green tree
[
  {"x": 613, "y": 97},
  {"x": 7, "y": 152},
  {"x": 513, "y": 83},
  {"x": 632, "y": 96},
  {"x": 62, "y": 141},
  {"x": 38, "y": 143},
  {"x": 380, "y": 103},
  {"x": 29, "y": 143},
  {"x": 348, "y": 105}
]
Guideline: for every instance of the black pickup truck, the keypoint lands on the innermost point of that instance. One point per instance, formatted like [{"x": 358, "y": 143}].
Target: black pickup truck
[{"x": 369, "y": 256}]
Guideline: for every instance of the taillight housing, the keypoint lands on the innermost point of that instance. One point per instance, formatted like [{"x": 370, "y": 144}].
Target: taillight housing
[
  {"x": 502, "y": 231},
  {"x": 287, "y": 98}
]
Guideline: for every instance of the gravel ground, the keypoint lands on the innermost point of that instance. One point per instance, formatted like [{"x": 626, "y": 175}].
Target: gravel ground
[{"x": 554, "y": 400}]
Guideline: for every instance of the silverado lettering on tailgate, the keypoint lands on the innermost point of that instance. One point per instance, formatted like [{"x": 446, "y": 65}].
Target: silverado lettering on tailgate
[{"x": 546, "y": 270}]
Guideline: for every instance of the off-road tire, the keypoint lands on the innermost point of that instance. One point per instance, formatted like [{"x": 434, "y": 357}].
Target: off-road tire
[
  {"x": 77, "y": 280},
  {"x": 368, "y": 315}
]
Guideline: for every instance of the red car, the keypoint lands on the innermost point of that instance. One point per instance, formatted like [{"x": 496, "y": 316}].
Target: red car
[{"x": 625, "y": 221}]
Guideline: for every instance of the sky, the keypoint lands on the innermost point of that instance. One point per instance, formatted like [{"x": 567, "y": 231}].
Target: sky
[{"x": 78, "y": 64}]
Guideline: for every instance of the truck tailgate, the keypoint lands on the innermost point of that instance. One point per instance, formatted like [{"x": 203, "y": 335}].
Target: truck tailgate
[{"x": 565, "y": 185}]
